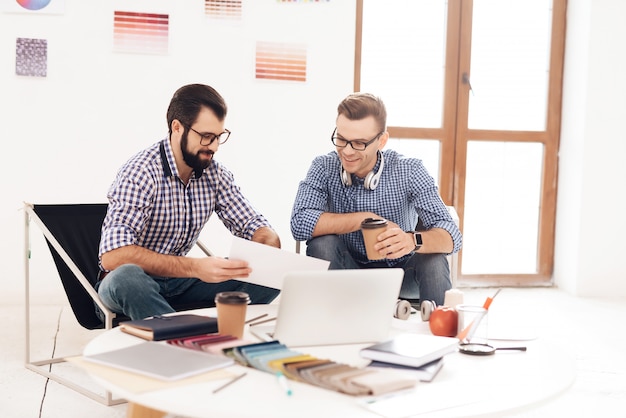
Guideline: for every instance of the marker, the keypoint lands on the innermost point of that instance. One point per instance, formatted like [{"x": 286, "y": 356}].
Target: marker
[{"x": 282, "y": 381}]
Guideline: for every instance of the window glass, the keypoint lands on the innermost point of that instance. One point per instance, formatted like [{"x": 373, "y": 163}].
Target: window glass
[
  {"x": 509, "y": 64},
  {"x": 424, "y": 149},
  {"x": 502, "y": 203},
  {"x": 403, "y": 59}
]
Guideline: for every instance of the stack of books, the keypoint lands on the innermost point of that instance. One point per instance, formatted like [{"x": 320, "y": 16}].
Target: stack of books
[
  {"x": 160, "y": 328},
  {"x": 418, "y": 355}
]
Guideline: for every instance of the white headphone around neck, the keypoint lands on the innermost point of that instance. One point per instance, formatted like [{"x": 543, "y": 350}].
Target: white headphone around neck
[{"x": 371, "y": 180}]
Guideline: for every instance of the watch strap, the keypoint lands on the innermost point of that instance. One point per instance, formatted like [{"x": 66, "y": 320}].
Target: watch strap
[{"x": 417, "y": 237}]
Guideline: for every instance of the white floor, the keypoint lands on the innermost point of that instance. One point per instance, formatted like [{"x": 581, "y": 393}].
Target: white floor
[{"x": 590, "y": 331}]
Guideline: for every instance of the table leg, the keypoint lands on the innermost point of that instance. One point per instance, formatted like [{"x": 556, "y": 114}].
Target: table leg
[{"x": 139, "y": 411}]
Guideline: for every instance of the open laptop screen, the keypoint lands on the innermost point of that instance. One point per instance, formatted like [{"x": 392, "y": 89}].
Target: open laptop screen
[{"x": 334, "y": 307}]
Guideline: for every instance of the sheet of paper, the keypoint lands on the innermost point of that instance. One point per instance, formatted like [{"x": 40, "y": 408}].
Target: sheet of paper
[{"x": 269, "y": 265}]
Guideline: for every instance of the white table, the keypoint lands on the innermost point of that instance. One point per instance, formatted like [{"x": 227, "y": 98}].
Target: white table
[{"x": 466, "y": 386}]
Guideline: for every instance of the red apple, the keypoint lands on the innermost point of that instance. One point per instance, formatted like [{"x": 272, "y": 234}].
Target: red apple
[{"x": 443, "y": 321}]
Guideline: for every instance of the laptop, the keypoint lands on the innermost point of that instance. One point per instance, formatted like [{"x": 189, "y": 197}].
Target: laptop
[{"x": 334, "y": 307}]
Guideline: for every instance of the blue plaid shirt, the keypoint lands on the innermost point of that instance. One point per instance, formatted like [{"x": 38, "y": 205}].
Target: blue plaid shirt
[
  {"x": 151, "y": 207},
  {"x": 405, "y": 192}
]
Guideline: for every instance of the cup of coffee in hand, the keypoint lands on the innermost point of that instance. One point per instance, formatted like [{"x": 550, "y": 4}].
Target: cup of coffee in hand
[
  {"x": 231, "y": 312},
  {"x": 371, "y": 228}
]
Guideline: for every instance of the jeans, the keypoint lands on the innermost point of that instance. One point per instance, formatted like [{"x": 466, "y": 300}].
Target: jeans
[
  {"x": 426, "y": 276},
  {"x": 131, "y": 291}
]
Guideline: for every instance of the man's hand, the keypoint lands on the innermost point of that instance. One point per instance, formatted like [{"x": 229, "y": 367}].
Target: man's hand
[
  {"x": 216, "y": 269},
  {"x": 394, "y": 242},
  {"x": 266, "y": 236},
  {"x": 207, "y": 269}
]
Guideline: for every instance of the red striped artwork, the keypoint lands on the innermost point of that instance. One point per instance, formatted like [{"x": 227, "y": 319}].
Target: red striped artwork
[
  {"x": 281, "y": 61},
  {"x": 140, "y": 32},
  {"x": 223, "y": 9}
]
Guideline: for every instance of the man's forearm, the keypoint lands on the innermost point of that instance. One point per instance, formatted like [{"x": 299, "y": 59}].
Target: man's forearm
[
  {"x": 267, "y": 236},
  {"x": 151, "y": 262},
  {"x": 436, "y": 240},
  {"x": 340, "y": 223}
]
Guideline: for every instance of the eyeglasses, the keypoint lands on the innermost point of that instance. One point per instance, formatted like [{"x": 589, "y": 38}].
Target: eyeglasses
[
  {"x": 208, "y": 139},
  {"x": 356, "y": 145}
]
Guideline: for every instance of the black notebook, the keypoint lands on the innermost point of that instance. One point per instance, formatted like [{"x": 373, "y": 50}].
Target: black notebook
[
  {"x": 425, "y": 373},
  {"x": 168, "y": 327},
  {"x": 413, "y": 350}
]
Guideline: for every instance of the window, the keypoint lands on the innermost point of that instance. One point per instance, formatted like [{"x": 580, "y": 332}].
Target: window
[{"x": 473, "y": 88}]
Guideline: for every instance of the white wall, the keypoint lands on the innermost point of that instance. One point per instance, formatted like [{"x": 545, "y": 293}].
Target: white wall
[
  {"x": 591, "y": 225},
  {"x": 67, "y": 134}
]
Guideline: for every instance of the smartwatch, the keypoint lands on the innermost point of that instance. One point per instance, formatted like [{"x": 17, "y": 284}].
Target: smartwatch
[{"x": 418, "y": 241}]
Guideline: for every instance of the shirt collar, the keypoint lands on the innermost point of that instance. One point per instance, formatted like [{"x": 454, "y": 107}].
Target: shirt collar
[{"x": 169, "y": 163}]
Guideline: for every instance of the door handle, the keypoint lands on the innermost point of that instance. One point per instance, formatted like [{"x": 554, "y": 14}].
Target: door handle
[{"x": 466, "y": 80}]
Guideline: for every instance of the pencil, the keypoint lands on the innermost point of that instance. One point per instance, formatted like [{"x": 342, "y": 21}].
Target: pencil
[
  {"x": 255, "y": 318},
  {"x": 263, "y": 321},
  {"x": 230, "y": 382}
]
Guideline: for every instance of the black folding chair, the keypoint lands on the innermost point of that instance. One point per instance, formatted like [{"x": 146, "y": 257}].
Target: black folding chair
[{"x": 72, "y": 233}]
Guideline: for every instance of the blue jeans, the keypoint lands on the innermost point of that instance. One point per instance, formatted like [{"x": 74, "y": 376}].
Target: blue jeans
[
  {"x": 131, "y": 291},
  {"x": 426, "y": 276}
]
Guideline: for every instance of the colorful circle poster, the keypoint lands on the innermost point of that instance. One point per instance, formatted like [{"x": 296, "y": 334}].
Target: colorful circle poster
[{"x": 33, "y": 6}]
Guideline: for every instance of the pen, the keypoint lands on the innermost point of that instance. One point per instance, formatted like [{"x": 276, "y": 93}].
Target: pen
[
  {"x": 263, "y": 321},
  {"x": 282, "y": 381},
  {"x": 230, "y": 382},
  {"x": 255, "y": 318}
]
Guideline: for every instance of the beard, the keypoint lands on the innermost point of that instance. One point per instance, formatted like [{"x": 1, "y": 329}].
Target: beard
[{"x": 193, "y": 160}]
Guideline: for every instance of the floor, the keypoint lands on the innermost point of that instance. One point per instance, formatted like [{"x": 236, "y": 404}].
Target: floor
[{"x": 590, "y": 331}]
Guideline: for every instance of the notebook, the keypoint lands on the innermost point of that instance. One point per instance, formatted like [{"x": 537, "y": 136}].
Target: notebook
[
  {"x": 412, "y": 350},
  {"x": 161, "y": 361},
  {"x": 334, "y": 307}
]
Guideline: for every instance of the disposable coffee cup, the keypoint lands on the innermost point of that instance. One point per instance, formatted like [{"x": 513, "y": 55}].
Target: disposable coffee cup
[
  {"x": 371, "y": 228},
  {"x": 231, "y": 312}
]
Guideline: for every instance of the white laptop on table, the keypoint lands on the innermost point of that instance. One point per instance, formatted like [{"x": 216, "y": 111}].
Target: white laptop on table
[{"x": 334, "y": 307}]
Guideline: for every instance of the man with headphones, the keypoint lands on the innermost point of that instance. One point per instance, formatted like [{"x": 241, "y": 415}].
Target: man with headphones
[{"x": 359, "y": 180}]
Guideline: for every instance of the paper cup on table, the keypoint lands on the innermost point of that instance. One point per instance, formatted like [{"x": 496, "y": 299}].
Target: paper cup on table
[
  {"x": 473, "y": 324},
  {"x": 370, "y": 228},
  {"x": 231, "y": 312}
]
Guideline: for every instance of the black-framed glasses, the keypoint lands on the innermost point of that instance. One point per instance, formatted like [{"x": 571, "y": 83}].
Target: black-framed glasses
[
  {"x": 209, "y": 138},
  {"x": 356, "y": 145}
]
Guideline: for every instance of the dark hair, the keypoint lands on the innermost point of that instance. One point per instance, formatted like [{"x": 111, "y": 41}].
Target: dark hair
[
  {"x": 189, "y": 100},
  {"x": 358, "y": 106}
]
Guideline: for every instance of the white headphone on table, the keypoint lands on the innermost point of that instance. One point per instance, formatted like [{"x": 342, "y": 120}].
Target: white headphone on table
[
  {"x": 403, "y": 309},
  {"x": 371, "y": 180}
]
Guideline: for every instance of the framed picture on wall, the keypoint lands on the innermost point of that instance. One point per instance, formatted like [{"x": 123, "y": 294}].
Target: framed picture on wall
[
  {"x": 140, "y": 32},
  {"x": 31, "y": 57}
]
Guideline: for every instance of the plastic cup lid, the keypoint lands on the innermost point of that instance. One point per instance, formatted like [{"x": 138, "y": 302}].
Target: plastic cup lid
[{"x": 232, "y": 298}]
